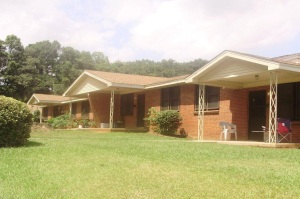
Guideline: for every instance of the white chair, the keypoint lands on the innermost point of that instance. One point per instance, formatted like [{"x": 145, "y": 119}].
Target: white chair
[{"x": 227, "y": 130}]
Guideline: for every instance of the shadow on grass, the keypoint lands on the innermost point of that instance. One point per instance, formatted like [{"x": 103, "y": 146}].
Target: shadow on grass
[{"x": 33, "y": 144}]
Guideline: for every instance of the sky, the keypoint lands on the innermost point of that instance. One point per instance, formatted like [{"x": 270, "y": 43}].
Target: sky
[{"x": 182, "y": 30}]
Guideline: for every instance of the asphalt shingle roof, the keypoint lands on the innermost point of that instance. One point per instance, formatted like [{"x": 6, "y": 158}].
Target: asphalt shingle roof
[{"x": 132, "y": 79}]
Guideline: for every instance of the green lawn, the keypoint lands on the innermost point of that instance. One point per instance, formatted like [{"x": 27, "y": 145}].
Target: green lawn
[{"x": 80, "y": 164}]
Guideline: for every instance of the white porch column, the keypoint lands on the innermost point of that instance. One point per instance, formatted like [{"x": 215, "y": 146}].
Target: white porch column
[
  {"x": 41, "y": 114},
  {"x": 70, "y": 110},
  {"x": 273, "y": 108},
  {"x": 111, "y": 116},
  {"x": 201, "y": 107}
]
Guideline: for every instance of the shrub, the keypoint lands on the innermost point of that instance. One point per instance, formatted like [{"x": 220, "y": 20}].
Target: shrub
[
  {"x": 64, "y": 121},
  {"x": 36, "y": 116},
  {"x": 164, "y": 122},
  {"x": 59, "y": 122},
  {"x": 15, "y": 122}
]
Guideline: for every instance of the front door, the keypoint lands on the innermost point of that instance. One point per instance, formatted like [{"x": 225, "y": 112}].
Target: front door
[
  {"x": 257, "y": 114},
  {"x": 140, "y": 110}
]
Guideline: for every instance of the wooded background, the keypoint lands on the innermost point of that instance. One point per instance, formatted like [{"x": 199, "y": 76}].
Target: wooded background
[{"x": 49, "y": 68}]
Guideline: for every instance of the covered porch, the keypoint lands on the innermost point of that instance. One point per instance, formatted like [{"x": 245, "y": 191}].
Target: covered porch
[
  {"x": 111, "y": 99},
  {"x": 238, "y": 71}
]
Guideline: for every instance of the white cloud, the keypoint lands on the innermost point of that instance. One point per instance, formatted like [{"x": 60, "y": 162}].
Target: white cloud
[
  {"x": 185, "y": 30},
  {"x": 155, "y": 29}
]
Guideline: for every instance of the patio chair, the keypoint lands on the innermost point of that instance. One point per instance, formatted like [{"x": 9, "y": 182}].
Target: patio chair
[
  {"x": 284, "y": 130},
  {"x": 227, "y": 130}
]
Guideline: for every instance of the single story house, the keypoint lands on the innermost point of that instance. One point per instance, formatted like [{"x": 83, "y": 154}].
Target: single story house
[{"x": 246, "y": 90}]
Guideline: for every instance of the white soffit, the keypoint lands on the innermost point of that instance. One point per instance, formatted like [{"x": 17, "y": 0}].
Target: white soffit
[{"x": 231, "y": 68}]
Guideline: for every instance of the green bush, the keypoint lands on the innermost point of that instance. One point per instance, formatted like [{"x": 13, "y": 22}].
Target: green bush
[
  {"x": 15, "y": 122},
  {"x": 164, "y": 122},
  {"x": 63, "y": 122},
  {"x": 59, "y": 122},
  {"x": 36, "y": 116}
]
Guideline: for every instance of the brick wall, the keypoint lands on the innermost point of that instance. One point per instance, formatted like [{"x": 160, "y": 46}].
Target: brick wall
[
  {"x": 152, "y": 99},
  {"x": 100, "y": 107},
  {"x": 233, "y": 108}
]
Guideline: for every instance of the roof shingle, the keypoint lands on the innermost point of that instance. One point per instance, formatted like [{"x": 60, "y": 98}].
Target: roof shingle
[{"x": 129, "y": 78}]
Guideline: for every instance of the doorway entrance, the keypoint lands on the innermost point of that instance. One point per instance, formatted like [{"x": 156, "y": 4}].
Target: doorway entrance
[{"x": 257, "y": 114}]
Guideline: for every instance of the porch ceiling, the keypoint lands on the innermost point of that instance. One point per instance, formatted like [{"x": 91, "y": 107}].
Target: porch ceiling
[{"x": 236, "y": 70}]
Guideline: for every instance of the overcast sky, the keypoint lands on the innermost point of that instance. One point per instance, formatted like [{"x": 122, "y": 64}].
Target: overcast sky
[{"x": 182, "y": 30}]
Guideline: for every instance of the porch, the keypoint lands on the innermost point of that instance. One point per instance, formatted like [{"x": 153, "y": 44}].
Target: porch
[
  {"x": 261, "y": 76},
  {"x": 254, "y": 144}
]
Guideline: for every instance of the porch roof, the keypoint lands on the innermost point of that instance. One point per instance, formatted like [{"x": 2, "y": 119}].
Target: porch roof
[
  {"x": 99, "y": 81},
  {"x": 45, "y": 99},
  {"x": 239, "y": 70}
]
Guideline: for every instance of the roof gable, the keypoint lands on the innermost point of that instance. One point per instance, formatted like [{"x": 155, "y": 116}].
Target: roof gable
[
  {"x": 47, "y": 99},
  {"x": 231, "y": 64}
]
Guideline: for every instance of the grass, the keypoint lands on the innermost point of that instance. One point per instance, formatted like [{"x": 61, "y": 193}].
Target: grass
[{"x": 80, "y": 164}]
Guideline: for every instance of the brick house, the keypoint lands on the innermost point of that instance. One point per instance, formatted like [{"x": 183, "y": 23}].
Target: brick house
[{"x": 249, "y": 91}]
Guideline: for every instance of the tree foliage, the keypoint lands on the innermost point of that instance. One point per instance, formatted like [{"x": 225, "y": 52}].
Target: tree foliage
[{"x": 49, "y": 68}]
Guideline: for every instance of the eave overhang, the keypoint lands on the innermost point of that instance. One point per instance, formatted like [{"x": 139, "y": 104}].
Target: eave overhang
[{"x": 237, "y": 70}]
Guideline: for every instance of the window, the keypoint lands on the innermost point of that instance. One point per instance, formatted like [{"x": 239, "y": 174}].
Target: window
[
  {"x": 85, "y": 107},
  {"x": 127, "y": 104},
  {"x": 288, "y": 101},
  {"x": 170, "y": 98},
  {"x": 212, "y": 98}
]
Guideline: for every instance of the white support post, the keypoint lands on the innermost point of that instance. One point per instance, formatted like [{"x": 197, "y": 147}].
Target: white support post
[
  {"x": 41, "y": 114},
  {"x": 201, "y": 107},
  {"x": 111, "y": 117},
  {"x": 273, "y": 108},
  {"x": 70, "y": 110}
]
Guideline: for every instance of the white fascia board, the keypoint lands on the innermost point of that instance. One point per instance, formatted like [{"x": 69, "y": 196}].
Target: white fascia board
[
  {"x": 74, "y": 100},
  {"x": 108, "y": 83},
  {"x": 75, "y": 82},
  {"x": 190, "y": 78},
  {"x": 45, "y": 102},
  {"x": 175, "y": 82},
  {"x": 31, "y": 98},
  {"x": 120, "y": 85},
  {"x": 252, "y": 59},
  {"x": 288, "y": 67}
]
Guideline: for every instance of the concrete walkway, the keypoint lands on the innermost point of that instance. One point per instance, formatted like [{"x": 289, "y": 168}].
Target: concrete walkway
[{"x": 257, "y": 144}]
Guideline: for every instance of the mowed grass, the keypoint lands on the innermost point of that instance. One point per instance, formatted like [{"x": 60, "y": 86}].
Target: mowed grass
[{"x": 80, "y": 164}]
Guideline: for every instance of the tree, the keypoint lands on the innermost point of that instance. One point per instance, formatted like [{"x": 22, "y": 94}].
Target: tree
[
  {"x": 42, "y": 59},
  {"x": 12, "y": 60},
  {"x": 46, "y": 67}
]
